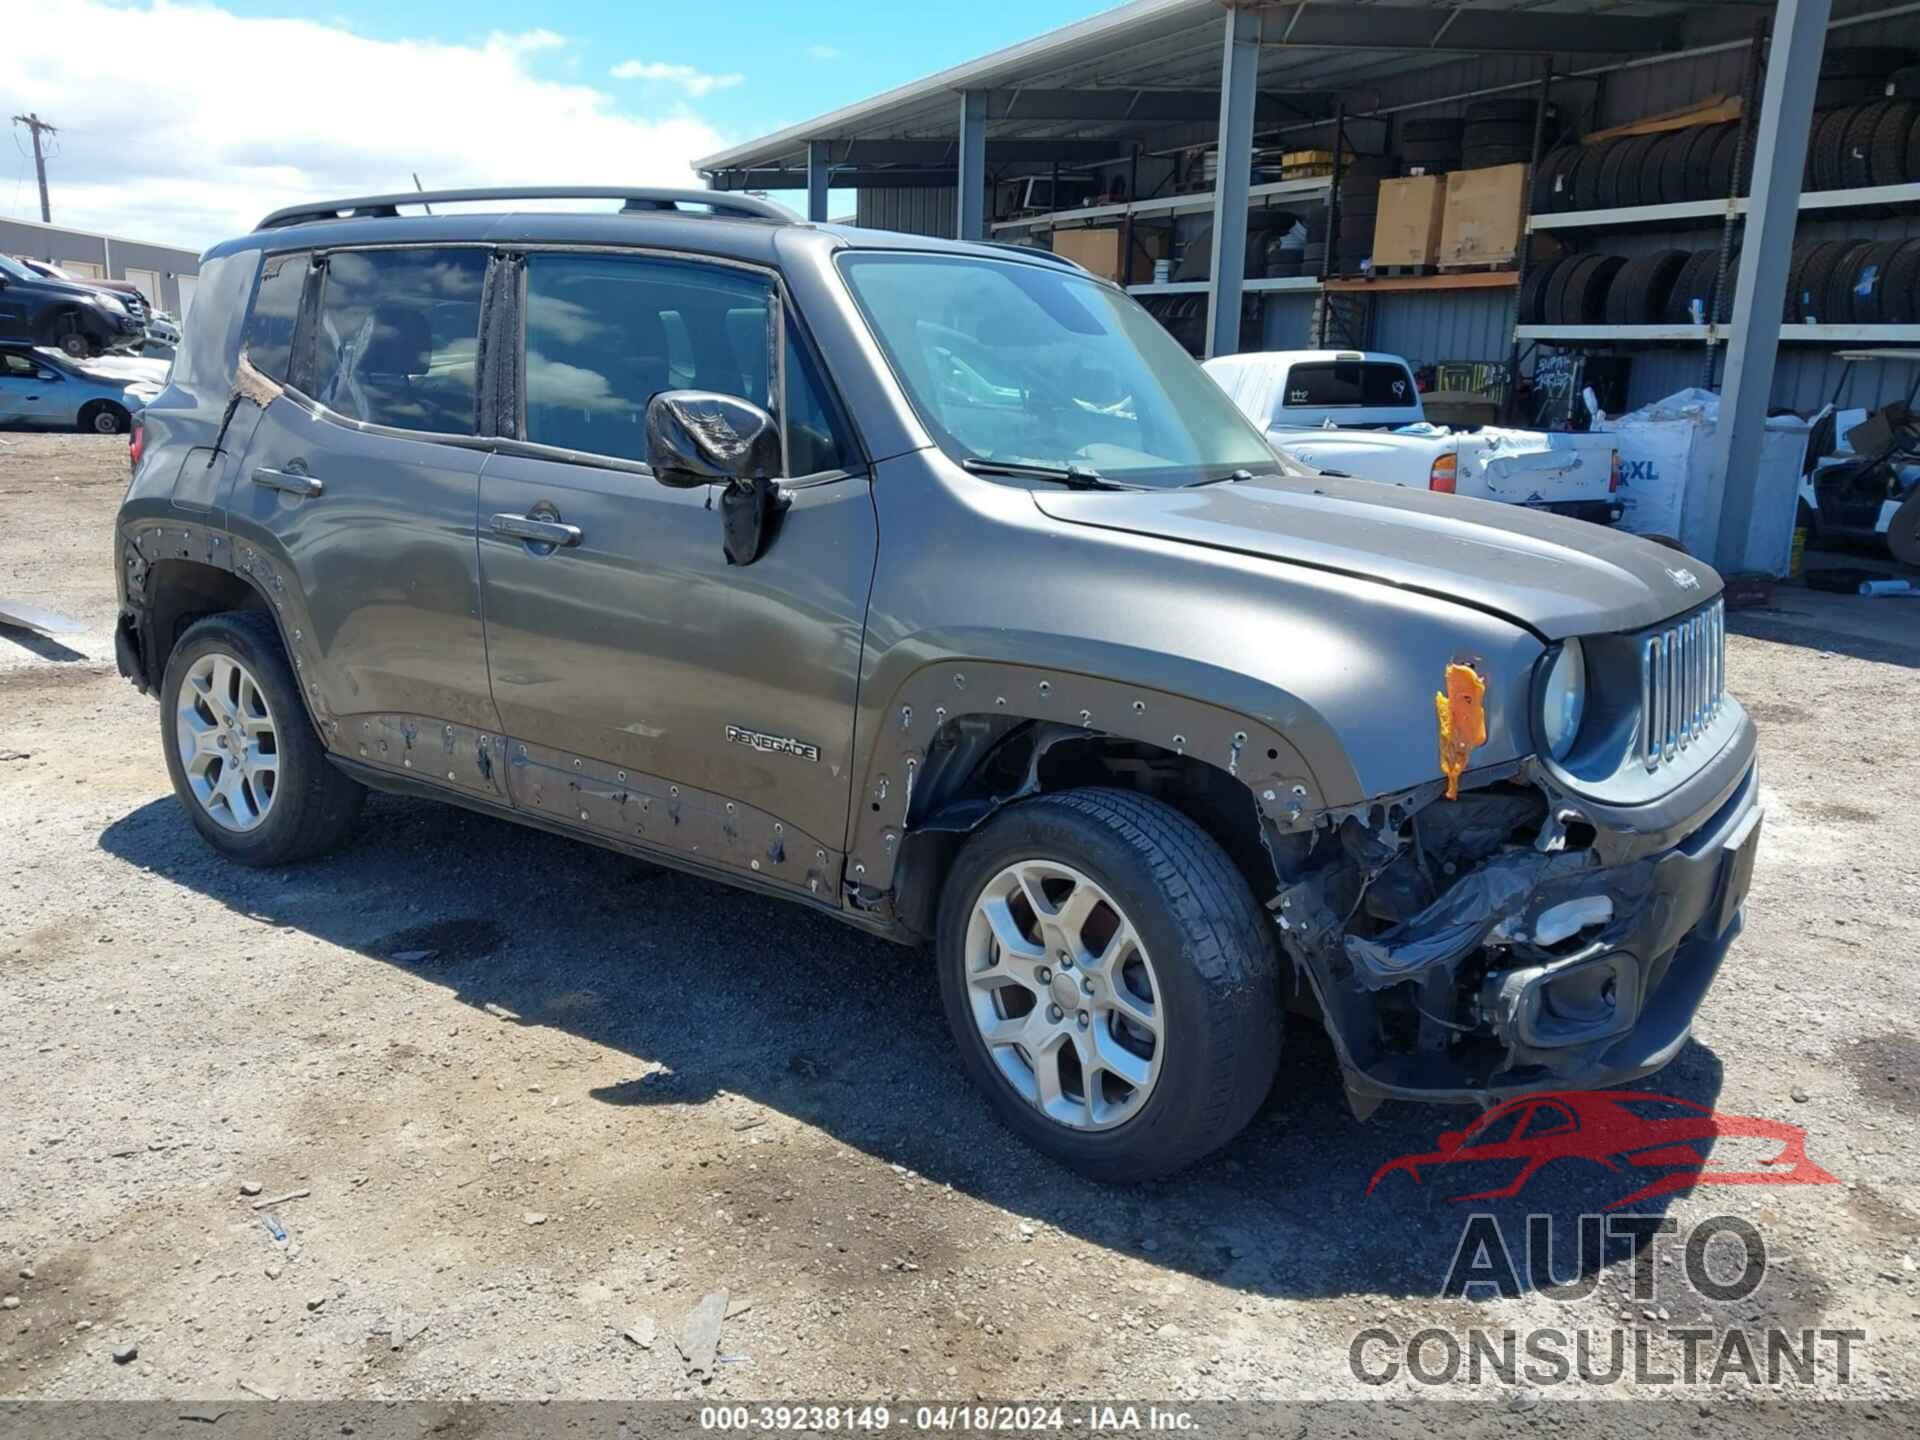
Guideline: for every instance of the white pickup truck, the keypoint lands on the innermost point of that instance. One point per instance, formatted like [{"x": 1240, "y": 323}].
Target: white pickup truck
[{"x": 1359, "y": 413}]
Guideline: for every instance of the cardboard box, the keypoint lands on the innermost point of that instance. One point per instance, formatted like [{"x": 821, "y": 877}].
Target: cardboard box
[
  {"x": 1486, "y": 213},
  {"x": 1099, "y": 251},
  {"x": 1407, "y": 230}
]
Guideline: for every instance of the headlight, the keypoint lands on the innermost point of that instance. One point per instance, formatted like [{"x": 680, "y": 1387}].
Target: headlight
[
  {"x": 1563, "y": 699},
  {"x": 108, "y": 303}
]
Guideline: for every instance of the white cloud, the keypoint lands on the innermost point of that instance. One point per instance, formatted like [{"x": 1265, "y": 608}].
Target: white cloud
[
  {"x": 695, "y": 82},
  {"x": 823, "y": 52},
  {"x": 184, "y": 124}
]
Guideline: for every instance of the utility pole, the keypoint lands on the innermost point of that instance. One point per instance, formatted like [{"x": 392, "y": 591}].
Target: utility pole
[{"x": 37, "y": 127}]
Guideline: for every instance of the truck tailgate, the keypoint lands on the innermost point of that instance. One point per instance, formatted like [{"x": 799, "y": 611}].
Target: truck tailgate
[{"x": 1535, "y": 467}]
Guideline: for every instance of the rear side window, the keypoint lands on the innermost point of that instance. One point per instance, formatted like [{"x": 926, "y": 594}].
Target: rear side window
[
  {"x": 607, "y": 333},
  {"x": 1331, "y": 384},
  {"x": 276, "y": 305},
  {"x": 396, "y": 337}
]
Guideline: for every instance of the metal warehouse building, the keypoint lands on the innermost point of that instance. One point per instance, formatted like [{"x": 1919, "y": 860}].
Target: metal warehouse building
[
  {"x": 1677, "y": 135},
  {"x": 165, "y": 273}
]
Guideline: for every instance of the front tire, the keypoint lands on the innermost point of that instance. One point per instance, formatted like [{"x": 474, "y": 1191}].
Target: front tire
[
  {"x": 75, "y": 345},
  {"x": 1111, "y": 982},
  {"x": 244, "y": 758}
]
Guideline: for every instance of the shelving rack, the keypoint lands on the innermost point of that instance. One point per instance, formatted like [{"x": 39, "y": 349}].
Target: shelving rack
[
  {"x": 1714, "y": 212},
  {"x": 1195, "y": 202},
  {"x": 1266, "y": 285},
  {"x": 1715, "y": 334}
]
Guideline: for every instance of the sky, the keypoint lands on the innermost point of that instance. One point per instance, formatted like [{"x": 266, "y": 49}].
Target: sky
[{"x": 184, "y": 122}]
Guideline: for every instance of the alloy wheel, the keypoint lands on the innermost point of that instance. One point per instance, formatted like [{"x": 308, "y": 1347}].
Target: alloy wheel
[
  {"x": 1064, "y": 995},
  {"x": 228, "y": 741}
]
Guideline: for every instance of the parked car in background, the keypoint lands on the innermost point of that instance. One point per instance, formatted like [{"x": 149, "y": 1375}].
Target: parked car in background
[
  {"x": 75, "y": 316},
  {"x": 163, "y": 329},
  {"x": 125, "y": 291},
  {"x": 1359, "y": 413},
  {"x": 45, "y": 390}
]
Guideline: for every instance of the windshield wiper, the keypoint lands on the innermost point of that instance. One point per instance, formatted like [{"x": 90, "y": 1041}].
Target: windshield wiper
[{"x": 1074, "y": 477}]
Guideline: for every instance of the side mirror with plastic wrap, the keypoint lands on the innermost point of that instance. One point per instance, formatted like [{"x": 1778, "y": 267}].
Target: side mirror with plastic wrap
[{"x": 699, "y": 437}]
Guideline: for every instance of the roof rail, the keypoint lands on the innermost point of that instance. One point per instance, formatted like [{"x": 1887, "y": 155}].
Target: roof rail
[{"x": 642, "y": 199}]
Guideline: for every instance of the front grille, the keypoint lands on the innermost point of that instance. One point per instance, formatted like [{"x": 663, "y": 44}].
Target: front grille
[{"x": 1683, "y": 674}]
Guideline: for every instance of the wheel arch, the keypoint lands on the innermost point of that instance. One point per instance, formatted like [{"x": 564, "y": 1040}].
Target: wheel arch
[
  {"x": 176, "y": 592},
  {"x": 962, "y": 739},
  {"x": 59, "y": 319},
  {"x": 165, "y": 593}
]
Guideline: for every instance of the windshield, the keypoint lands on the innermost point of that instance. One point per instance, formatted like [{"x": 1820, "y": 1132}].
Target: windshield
[
  {"x": 11, "y": 266},
  {"x": 1019, "y": 364}
]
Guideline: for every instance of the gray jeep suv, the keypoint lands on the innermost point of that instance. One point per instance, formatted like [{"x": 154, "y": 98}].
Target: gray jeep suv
[{"x": 932, "y": 586}]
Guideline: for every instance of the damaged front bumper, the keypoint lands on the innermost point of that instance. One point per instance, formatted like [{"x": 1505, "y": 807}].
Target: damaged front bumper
[{"x": 1573, "y": 962}]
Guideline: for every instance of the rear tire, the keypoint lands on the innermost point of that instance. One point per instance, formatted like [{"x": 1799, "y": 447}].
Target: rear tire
[
  {"x": 1210, "y": 962},
  {"x": 103, "y": 417},
  {"x": 308, "y": 807}
]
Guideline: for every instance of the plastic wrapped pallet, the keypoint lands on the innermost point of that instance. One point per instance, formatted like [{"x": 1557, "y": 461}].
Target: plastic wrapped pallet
[{"x": 1666, "y": 451}]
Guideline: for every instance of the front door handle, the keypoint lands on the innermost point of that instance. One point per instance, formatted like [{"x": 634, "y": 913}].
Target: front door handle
[
  {"x": 540, "y": 532},
  {"x": 287, "y": 481}
]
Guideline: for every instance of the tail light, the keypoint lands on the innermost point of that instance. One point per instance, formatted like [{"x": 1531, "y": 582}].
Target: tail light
[
  {"x": 136, "y": 443},
  {"x": 1441, "y": 477},
  {"x": 1613, "y": 473}
]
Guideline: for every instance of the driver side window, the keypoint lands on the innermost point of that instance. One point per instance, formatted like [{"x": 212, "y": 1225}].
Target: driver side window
[{"x": 606, "y": 333}]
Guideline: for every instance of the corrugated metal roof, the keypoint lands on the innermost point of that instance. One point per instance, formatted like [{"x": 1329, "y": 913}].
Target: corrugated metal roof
[{"x": 1176, "y": 44}]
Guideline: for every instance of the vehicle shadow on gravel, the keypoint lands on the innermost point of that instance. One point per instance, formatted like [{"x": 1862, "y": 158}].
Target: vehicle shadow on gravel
[{"x": 714, "y": 992}]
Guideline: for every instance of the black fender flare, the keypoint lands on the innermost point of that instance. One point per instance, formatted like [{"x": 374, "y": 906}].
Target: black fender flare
[
  {"x": 1284, "y": 790},
  {"x": 154, "y": 542}
]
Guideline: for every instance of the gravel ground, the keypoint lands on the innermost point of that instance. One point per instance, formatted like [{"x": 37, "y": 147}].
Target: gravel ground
[{"x": 538, "y": 1100}]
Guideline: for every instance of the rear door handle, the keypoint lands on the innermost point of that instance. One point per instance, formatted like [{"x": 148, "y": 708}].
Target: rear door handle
[
  {"x": 540, "y": 532},
  {"x": 288, "y": 481}
]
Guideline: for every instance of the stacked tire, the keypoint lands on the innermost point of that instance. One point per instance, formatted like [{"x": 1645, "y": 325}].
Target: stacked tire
[
  {"x": 1854, "y": 282},
  {"x": 1663, "y": 287},
  {"x": 1642, "y": 287},
  {"x": 1313, "y": 255},
  {"x": 1497, "y": 132},
  {"x": 1360, "y": 181},
  {"x": 1431, "y": 146},
  {"x": 1692, "y": 300},
  {"x": 1662, "y": 168},
  {"x": 1856, "y": 146},
  {"x": 1866, "y": 132},
  {"x": 1850, "y": 74}
]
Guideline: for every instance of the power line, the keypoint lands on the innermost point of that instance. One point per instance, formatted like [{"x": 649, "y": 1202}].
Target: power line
[{"x": 36, "y": 127}]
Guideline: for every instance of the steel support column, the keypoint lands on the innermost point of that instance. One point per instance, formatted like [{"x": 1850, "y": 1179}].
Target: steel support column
[
  {"x": 971, "y": 203},
  {"x": 1239, "y": 74},
  {"x": 1779, "y": 159},
  {"x": 816, "y": 180}
]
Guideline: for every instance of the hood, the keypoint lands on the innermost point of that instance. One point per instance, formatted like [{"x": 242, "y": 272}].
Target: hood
[
  {"x": 1558, "y": 577},
  {"x": 79, "y": 289}
]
